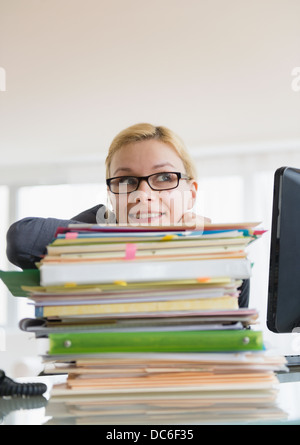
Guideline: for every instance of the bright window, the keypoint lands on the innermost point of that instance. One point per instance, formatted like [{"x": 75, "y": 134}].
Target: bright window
[
  {"x": 59, "y": 201},
  {"x": 221, "y": 198}
]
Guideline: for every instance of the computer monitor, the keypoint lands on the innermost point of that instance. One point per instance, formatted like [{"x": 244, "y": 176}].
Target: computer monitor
[{"x": 283, "y": 311}]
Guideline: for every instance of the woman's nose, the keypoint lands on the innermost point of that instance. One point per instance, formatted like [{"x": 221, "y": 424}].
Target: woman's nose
[
  {"x": 144, "y": 186},
  {"x": 144, "y": 193}
]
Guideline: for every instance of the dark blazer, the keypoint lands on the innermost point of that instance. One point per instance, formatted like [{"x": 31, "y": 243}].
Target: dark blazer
[{"x": 27, "y": 240}]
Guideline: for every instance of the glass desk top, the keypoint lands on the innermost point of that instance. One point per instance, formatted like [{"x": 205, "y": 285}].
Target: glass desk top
[{"x": 34, "y": 411}]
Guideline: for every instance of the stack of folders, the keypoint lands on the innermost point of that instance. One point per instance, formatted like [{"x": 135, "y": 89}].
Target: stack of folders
[{"x": 146, "y": 324}]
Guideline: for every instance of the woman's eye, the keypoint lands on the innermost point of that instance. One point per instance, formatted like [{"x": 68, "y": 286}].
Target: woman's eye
[
  {"x": 165, "y": 177},
  {"x": 127, "y": 181}
]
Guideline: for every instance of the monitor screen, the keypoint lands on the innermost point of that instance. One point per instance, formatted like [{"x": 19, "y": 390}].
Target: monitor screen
[{"x": 283, "y": 312}]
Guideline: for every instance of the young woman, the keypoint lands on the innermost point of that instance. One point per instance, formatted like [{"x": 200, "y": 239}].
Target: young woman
[{"x": 151, "y": 180}]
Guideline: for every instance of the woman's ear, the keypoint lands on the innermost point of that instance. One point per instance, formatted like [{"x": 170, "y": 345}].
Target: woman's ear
[{"x": 193, "y": 189}]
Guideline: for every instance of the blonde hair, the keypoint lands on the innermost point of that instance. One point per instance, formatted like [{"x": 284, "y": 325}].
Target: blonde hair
[{"x": 144, "y": 131}]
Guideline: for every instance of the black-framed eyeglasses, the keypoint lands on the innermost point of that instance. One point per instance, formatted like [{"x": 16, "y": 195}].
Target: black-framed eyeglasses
[{"x": 156, "y": 181}]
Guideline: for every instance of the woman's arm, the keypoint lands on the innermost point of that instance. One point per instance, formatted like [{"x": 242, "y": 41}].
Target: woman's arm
[{"x": 27, "y": 239}]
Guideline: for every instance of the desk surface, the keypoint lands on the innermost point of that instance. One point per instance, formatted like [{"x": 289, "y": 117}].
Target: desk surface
[{"x": 288, "y": 400}]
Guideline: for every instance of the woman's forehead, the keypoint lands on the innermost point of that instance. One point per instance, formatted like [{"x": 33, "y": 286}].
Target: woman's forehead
[{"x": 145, "y": 155}]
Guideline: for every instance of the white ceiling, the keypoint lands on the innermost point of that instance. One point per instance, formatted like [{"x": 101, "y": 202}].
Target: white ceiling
[{"x": 218, "y": 72}]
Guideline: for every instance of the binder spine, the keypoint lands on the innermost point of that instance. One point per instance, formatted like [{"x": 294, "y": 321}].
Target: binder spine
[{"x": 171, "y": 341}]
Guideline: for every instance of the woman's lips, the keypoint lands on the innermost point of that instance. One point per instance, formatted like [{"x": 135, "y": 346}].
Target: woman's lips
[{"x": 145, "y": 216}]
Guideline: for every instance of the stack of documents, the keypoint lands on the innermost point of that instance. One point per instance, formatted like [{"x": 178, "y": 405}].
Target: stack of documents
[
  {"x": 104, "y": 278},
  {"x": 154, "y": 388},
  {"x": 92, "y": 254},
  {"x": 140, "y": 318}
]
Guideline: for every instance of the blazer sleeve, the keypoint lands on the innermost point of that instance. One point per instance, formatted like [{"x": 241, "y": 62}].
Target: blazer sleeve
[{"x": 27, "y": 239}]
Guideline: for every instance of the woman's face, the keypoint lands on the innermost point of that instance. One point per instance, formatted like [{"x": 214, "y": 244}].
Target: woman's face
[{"x": 146, "y": 206}]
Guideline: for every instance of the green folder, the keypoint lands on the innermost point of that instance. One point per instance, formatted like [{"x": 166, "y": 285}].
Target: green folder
[
  {"x": 14, "y": 280},
  {"x": 164, "y": 341}
]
